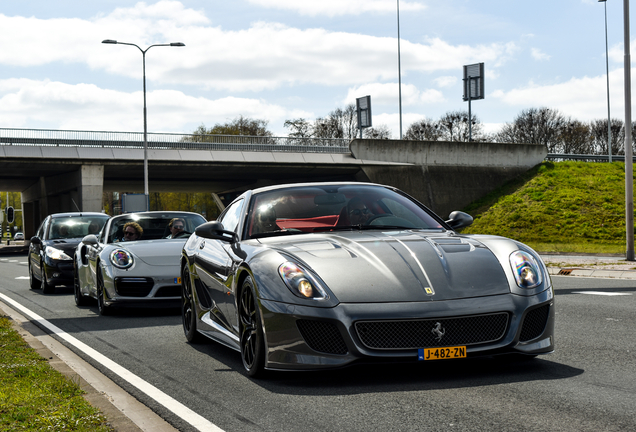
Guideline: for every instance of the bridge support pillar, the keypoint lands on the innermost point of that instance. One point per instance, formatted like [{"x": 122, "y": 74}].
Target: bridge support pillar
[
  {"x": 80, "y": 190},
  {"x": 91, "y": 187}
]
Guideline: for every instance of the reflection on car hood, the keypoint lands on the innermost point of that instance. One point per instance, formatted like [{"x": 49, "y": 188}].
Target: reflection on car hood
[
  {"x": 372, "y": 266},
  {"x": 155, "y": 252}
]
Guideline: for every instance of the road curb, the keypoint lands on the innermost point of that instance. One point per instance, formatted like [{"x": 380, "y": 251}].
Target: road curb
[
  {"x": 595, "y": 273},
  {"x": 119, "y": 407}
]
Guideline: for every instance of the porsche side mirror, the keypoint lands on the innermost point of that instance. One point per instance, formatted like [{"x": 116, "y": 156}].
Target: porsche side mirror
[
  {"x": 214, "y": 230},
  {"x": 458, "y": 219},
  {"x": 90, "y": 239}
]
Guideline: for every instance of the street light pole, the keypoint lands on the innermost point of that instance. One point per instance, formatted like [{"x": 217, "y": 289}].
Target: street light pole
[
  {"x": 143, "y": 54},
  {"x": 399, "y": 66},
  {"x": 609, "y": 119},
  {"x": 629, "y": 160}
]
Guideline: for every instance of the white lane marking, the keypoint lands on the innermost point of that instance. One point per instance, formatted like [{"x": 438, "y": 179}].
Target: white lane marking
[
  {"x": 601, "y": 293},
  {"x": 185, "y": 413},
  {"x": 22, "y": 277}
]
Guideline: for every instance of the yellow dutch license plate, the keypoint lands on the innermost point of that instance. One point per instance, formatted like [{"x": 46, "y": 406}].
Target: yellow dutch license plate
[{"x": 442, "y": 353}]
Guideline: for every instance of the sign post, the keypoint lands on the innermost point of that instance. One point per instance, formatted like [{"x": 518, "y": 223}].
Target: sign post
[
  {"x": 363, "y": 106},
  {"x": 473, "y": 89}
]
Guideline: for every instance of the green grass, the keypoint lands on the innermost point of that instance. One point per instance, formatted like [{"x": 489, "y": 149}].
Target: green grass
[
  {"x": 36, "y": 397},
  {"x": 559, "y": 207}
]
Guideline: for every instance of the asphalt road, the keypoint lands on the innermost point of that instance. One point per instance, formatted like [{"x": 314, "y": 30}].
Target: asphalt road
[{"x": 588, "y": 384}]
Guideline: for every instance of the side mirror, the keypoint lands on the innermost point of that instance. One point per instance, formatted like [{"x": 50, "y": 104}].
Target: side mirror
[
  {"x": 36, "y": 240},
  {"x": 90, "y": 239},
  {"x": 458, "y": 219},
  {"x": 214, "y": 230}
]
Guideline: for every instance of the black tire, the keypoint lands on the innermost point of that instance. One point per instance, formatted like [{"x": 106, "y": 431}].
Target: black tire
[
  {"x": 101, "y": 305},
  {"x": 188, "y": 309},
  {"x": 33, "y": 282},
  {"x": 80, "y": 300},
  {"x": 251, "y": 330},
  {"x": 46, "y": 288}
]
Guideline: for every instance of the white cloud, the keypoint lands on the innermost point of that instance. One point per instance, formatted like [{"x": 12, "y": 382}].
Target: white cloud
[
  {"x": 388, "y": 94},
  {"x": 581, "y": 98},
  {"x": 89, "y": 107},
  {"x": 263, "y": 56},
  {"x": 446, "y": 81},
  {"x": 333, "y": 8},
  {"x": 539, "y": 55}
]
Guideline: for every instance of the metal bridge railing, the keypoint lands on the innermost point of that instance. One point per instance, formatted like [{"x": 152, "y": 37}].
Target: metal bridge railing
[
  {"x": 557, "y": 157},
  {"x": 171, "y": 141}
]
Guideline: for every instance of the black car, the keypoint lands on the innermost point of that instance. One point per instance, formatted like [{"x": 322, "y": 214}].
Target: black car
[
  {"x": 323, "y": 275},
  {"x": 53, "y": 246}
]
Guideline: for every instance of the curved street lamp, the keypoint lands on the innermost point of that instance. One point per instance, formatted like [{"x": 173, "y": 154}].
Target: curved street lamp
[{"x": 143, "y": 53}]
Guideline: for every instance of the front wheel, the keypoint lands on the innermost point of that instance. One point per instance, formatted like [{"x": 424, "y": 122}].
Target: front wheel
[
  {"x": 251, "y": 330},
  {"x": 46, "y": 288},
  {"x": 33, "y": 282},
  {"x": 188, "y": 309},
  {"x": 80, "y": 300},
  {"x": 101, "y": 304}
]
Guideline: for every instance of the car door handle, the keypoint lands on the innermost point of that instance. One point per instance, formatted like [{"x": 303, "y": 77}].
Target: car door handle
[{"x": 202, "y": 244}]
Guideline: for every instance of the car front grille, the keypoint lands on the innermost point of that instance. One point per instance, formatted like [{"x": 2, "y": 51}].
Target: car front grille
[
  {"x": 133, "y": 286},
  {"x": 322, "y": 336},
  {"x": 534, "y": 323},
  {"x": 423, "y": 333}
]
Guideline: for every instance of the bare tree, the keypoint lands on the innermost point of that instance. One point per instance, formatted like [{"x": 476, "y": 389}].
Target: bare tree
[
  {"x": 340, "y": 123},
  {"x": 423, "y": 130},
  {"x": 380, "y": 132},
  {"x": 239, "y": 126},
  {"x": 535, "y": 126},
  {"x": 598, "y": 137},
  {"x": 575, "y": 138},
  {"x": 454, "y": 126},
  {"x": 300, "y": 128}
]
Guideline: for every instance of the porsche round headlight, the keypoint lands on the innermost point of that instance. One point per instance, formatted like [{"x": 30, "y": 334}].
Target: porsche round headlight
[
  {"x": 56, "y": 254},
  {"x": 526, "y": 269},
  {"x": 121, "y": 258},
  {"x": 300, "y": 282}
]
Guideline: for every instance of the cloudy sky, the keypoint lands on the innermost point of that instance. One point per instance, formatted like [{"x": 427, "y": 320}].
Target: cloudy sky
[{"x": 284, "y": 59}]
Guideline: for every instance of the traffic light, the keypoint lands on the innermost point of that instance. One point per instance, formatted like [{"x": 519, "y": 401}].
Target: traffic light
[{"x": 10, "y": 214}]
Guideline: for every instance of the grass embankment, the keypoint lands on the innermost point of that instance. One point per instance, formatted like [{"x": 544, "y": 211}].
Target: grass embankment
[
  {"x": 36, "y": 397},
  {"x": 559, "y": 207}
]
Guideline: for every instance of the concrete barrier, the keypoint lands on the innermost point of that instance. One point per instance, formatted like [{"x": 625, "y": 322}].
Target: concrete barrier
[{"x": 446, "y": 176}]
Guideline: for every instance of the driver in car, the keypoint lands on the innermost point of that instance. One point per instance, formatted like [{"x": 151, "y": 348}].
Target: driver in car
[
  {"x": 176, "y": 227},
  {"x": 358, "y": 212}
]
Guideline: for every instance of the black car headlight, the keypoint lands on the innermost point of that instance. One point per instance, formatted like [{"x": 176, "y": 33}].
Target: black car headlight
[
  {"x": 56, "y": 254},
  {"x": 301, "y": 282},
  {"x": 121, "y": 258},
  {"x": 526, "y": 269}
]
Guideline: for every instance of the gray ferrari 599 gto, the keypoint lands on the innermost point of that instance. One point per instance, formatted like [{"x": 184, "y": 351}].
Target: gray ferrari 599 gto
[{"x": 322, "y": 275}]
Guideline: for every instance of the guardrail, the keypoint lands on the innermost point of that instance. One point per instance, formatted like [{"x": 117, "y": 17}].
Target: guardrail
[
  {"x": 592, "y": 158},
  {"x": 172, "y": 141}
]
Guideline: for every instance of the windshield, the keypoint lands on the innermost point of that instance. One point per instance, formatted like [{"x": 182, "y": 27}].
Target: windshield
[
  {"x": 75, "y": 227},
  {"x": 153, "y": 227},
  {"x": 334, "y": 207}
]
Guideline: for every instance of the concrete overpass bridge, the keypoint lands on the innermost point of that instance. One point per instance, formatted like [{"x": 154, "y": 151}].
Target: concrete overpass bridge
[{"x": 55, "y": 169}]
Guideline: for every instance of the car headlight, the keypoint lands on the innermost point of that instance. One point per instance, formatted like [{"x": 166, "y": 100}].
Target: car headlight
[
  {"x": 300, "y": 282},
  {"x": 121, "y": 258},
  {"x": 56, "y": 254},
  {"x": 526, "y": 269}
]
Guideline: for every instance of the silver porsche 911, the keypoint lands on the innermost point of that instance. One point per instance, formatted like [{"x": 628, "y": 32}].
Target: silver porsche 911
[
  {"x": 323, "y": 275},
  {"x": 134, "y": 260}
]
